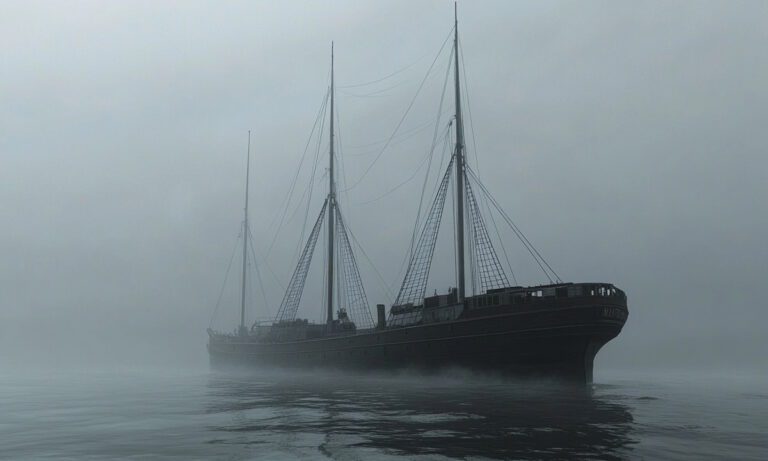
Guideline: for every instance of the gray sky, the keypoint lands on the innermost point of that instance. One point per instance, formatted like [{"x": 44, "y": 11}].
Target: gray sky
[{"x": 626, "y": 139}]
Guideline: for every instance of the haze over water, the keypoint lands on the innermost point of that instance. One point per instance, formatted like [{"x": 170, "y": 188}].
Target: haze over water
[
  {"x": 627, "y": 139},
  {"x": 153, "y": 414}
]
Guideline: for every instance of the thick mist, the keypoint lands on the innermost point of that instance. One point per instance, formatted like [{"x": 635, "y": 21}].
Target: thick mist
[{"x": 626, "y": 140}]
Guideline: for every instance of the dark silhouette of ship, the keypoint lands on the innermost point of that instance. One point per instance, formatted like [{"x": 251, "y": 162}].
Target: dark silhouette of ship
[{"x": 552, "y": 330}]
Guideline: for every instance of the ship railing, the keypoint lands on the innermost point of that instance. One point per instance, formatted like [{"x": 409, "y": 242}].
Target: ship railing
[
  {"x": 224, "y": 335},
  {"x": 264, "y": 322},
  {"x": 520, "y": 295}
]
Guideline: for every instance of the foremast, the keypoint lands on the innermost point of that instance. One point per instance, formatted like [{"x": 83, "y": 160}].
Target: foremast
[
  {"x": 243, "y": 330},
  {"x": 459, "y": 166},
  {"x": 343, "y": 287},
  {"x": 472, "y": 238},
  {"x": 331, "y": 208},
  {"x": 486, "y": 271}
]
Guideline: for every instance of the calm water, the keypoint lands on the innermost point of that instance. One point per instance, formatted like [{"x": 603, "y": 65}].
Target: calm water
[{"x": 204, "y": 415}]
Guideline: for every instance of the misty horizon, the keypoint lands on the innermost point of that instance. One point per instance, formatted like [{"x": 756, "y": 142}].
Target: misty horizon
[{"x": 625, "y": 140}]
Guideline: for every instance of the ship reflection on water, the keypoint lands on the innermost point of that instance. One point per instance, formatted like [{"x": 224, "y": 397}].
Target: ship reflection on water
[{"x": 448, "y": 416}]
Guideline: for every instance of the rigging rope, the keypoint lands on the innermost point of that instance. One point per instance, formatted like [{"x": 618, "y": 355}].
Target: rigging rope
[
  {"x": 387, "y": 290},
  {"x": 341, "y": 156},
  {"x": 424, "y": 159},
  {"x": 376, "y": 93},
  {"x": 403, "y": 136},
  {"x": 528, "y": 245},
  {"x": 501, "y": 242},
  {"x": 290, "y": 304},
  {"x": 415, "y": 281},
  {"x": 402, "y": 119},
  {"x": 446, "y": 150},
  {"x": 224, "y": 284},
  {"x": 258, "y": 275},
  {"x": 357, "y": 85},
  {"x": 431, "y": 150},
  {"x": 486, "y": 266},
  {"x": 311, "y": 185},
  {"x": 287, "y": 201},
  {"x": 469, "y": 110},
  {"x": 354, "y": 291},
  {"x": 477, "y": 161}
]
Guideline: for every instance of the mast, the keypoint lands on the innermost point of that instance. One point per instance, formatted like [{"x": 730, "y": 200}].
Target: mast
[
  {"x": 331, "y": 206},
  {"x": 459, "y": 164},
  {"x": 243, "y": 330}
]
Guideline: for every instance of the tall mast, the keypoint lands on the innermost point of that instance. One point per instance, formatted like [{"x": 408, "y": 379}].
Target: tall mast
[
  {"x": 459, "y": 163},
  {"x": 245, "y": 238},
  {"x": 331, "y": 206}
]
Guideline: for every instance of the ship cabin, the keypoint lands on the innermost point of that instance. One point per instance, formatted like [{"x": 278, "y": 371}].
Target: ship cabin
[{"x": 446, "y": 308}]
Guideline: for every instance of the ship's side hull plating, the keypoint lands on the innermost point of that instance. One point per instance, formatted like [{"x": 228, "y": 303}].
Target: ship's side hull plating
[{"x": 557, "y": 342}]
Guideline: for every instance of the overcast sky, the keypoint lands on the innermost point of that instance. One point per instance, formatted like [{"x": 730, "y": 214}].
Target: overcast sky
[{"x": 627, "y": 139}]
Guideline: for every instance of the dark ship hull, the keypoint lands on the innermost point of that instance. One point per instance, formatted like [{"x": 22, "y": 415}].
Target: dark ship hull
[{"x": 548, "y": 336}]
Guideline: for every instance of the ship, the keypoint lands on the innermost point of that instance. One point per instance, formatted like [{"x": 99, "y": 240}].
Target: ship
[{"x": 552, "y": 330}]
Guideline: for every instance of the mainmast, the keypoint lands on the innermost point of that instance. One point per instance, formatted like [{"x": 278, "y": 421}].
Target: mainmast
[
  {"x": 242, "y": 329},
  {"x": 459, "y": 164},
  {"x": 331, "y": 207},
  {"x": 487, "y": 272}
]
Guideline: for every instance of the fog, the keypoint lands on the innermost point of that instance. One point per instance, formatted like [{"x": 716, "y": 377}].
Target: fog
[{"x": 627, "y": 140}]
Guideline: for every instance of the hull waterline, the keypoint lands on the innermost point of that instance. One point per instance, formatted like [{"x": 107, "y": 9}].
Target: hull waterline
[{"x": 559, "y": 343}]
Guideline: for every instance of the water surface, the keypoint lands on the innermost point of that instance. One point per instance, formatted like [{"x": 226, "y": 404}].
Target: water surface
[{"x": 280, "y": 415}]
